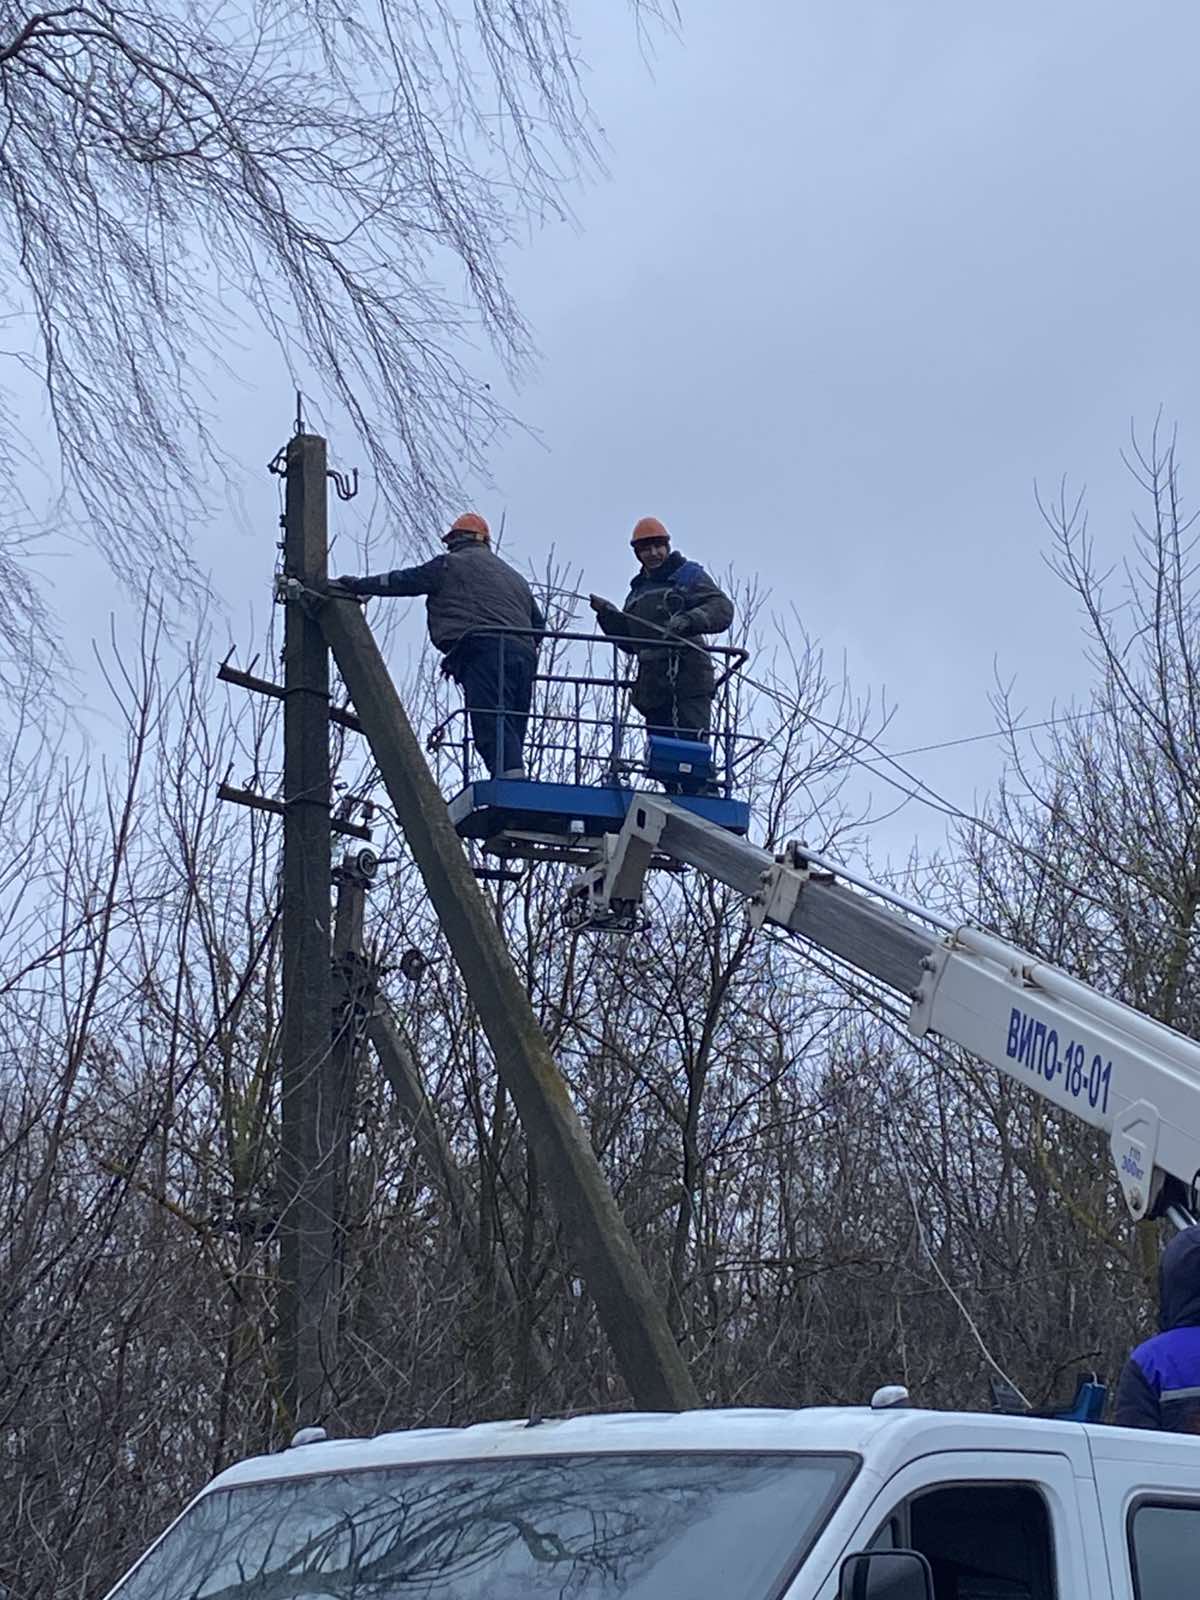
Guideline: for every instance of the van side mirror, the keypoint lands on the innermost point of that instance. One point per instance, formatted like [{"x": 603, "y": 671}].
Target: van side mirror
[{"x": 886, "y": 1575}]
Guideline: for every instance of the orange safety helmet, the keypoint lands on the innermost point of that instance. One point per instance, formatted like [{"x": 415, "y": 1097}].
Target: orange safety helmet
[
  {"x": 647, "y": 528},
  {"x": 470, "y": 522}
]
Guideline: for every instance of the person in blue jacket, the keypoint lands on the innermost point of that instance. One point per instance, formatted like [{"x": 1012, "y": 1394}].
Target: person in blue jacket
[
  {"x": 670, "y": 600},
  {"x": 482, "y": 616},
  {"x": 1160, "y": 1383}
]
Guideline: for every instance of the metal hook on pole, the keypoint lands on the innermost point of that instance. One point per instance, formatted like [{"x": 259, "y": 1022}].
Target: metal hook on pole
[{"x": 346, "y": 487}]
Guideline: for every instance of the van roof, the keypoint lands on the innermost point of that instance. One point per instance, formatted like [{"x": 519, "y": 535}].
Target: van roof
[{"x": 887, "y": 1436}]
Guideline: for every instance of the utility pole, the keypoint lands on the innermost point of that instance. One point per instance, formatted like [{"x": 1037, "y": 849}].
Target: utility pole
[
  {"x": 630, "y": 1311},
  {"x": 353, "y": 999},
  {"x": 307, "y": 1159},
  {"x": 362, "y": 1015}
]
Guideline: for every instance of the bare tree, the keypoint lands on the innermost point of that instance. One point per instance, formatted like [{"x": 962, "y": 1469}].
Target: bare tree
[
  {"x": 176, "y": 178},
  {"x": 825, "y": 1203},
  {"x": 1089, "y": 853}
]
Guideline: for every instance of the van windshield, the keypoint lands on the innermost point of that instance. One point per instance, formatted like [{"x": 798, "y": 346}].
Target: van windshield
[{"x": 597, "y": 1527}]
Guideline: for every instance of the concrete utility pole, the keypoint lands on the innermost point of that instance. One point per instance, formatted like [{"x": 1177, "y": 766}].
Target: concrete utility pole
[
  {"x": 307, "y": 1167},
  {"x": 629, "y": 1310}
]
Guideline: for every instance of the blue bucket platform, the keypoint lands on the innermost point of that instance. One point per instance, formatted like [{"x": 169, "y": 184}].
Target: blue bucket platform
[
  {"x": 564, "y": 821},
  {"x": 587, "y": 755}
]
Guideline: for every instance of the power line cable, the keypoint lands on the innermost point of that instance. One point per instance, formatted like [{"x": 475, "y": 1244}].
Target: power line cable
[
  {"x": 883, "y": 1004},
  {"x": 913, "y": 788},
  {"x": 996, "y": 733},
  {"x": 920, "y": 791},
  {"x": 890, "y": 756}
]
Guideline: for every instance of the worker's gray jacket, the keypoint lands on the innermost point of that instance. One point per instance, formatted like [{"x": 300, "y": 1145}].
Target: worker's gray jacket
[
  {"x": 679, "y": 592},
  {"x": 468, "y": 589}
]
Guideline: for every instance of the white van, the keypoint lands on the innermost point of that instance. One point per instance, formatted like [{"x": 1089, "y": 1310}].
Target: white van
[{"x": 842, "y": 1503}]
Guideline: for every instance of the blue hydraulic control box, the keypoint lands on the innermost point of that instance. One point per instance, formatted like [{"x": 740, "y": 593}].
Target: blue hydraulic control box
[
  {"x": 687, "y": 762},
  {"x": 1088, "y": 1404}
]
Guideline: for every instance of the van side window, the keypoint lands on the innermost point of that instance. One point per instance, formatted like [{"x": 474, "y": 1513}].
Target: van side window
[
  {"x": 1164, "y": 1545},
  {"x": 987, "y": 1541}
]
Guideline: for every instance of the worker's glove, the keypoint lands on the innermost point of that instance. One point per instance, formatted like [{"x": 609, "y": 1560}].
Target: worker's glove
[
  {"x": 598, "y": 604},
  {"x": 350, "y": 585},
  {"x": 680, "y": 625}
]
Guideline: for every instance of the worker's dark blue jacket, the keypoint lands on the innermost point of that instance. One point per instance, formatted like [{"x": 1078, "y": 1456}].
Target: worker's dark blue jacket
[
  {"x": 1160, "y": 1386},
  {"x": 681, "y": 590},
  {"x": 467, "y": 589}
]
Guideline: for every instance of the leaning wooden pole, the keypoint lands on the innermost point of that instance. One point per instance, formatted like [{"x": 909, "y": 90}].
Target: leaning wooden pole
[{"x": 631, "y": 1313}]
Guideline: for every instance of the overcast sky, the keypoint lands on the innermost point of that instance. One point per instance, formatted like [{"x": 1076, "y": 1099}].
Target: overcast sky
[{"x": 859, "y": 274}]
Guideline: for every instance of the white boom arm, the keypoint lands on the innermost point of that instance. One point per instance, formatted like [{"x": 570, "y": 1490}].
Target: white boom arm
[{"x": 1135, "y": 1078}]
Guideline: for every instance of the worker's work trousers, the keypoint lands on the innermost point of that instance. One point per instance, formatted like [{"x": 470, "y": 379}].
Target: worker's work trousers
[
  {"x": 495, "y": 673},
  {"x": 689, "y": 718}
]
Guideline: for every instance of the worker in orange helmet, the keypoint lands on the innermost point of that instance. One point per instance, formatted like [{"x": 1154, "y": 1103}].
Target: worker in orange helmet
[
  {"x": 670, "y": 600},
  {"x": 482, "y": 616}
]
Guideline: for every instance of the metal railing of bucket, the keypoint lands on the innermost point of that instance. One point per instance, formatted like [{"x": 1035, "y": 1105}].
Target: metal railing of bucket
[{"x": 582, "y": 728}]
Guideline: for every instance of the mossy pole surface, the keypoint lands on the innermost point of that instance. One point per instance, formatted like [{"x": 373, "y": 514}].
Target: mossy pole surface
[{"x": 629, "y": 1310}]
